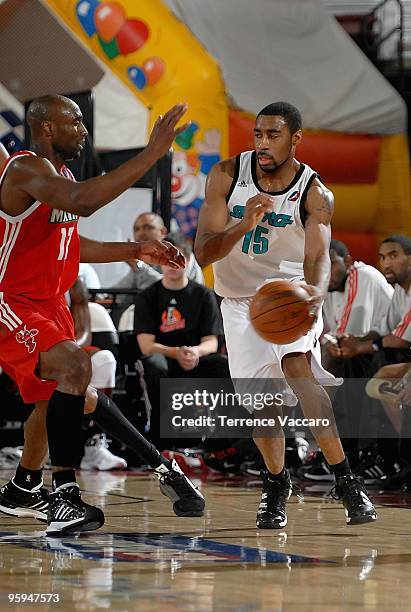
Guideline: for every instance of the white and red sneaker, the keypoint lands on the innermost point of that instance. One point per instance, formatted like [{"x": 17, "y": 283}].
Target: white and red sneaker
[{"x": 97, "y": 455}]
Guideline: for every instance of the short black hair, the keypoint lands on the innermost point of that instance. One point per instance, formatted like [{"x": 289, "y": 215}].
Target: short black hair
[
  {"x": 404, "y": 241},
  {"x": 290, "y": 113},
  {"x": 339, "y": 247},
  {"x": 180, "y": 241}
]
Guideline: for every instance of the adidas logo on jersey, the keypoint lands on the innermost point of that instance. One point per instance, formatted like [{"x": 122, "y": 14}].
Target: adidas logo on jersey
[{"x": 242, "y": 184}]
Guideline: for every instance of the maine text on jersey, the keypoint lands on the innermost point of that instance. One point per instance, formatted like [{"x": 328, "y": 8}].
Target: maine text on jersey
[{"x": 62, "y": 216}]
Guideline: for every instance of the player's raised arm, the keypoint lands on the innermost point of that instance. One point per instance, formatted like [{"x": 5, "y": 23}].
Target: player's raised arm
[
  {"x": 317, "y": 265},
  {"x": 213, "y": 240},
  {"x": 37, "y": 177}
]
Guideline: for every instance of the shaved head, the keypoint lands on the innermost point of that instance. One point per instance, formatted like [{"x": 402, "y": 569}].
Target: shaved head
[
  {"x": 49, "y": 108},
  {"x": 149, "y": 226},
  {"x": 154, "y": 217},
  {"x": 56, "y": 122}
]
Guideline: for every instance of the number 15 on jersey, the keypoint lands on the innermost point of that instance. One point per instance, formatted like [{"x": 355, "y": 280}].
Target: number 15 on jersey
[{"x": 256, "y": 241}]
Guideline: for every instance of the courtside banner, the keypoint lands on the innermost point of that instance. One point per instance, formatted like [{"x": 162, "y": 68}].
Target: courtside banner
[{"x": 239, "y": 408}]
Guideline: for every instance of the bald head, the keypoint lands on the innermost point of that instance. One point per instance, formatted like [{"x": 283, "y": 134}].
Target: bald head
[
  {"x": 49, "y": 108},
  {"x": 149, "y": 226},
  {"x": 56, "y": 126}
]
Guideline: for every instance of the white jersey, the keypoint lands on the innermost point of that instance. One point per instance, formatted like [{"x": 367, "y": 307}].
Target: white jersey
[
  {"x": 399, "y": 314},
  {"x": 362, "y": 306},
  {"x": 273, "y": 249}
]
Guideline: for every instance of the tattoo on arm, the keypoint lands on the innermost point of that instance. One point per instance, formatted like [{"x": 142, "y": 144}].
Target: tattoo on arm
[{"x": 325, "y": 207}]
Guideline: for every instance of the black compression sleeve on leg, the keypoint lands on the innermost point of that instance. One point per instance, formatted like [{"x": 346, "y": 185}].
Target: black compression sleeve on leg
[
  {"x": 64, "y": 418},
  {"x": 112, "y": 421}
]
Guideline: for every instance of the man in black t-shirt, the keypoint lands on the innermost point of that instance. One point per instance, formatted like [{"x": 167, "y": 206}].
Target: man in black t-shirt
[{"x": 177, "y": 323}]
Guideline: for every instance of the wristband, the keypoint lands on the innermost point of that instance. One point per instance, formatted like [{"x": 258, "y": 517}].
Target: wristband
[
  {"x": 173, "y": 352},
  {"x": 377, "y": 345}
]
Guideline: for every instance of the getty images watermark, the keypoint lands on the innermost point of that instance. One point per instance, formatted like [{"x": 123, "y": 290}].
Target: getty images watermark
[
  {"x": 227, "y": 413},
  {"x": 200, "y": 407}
]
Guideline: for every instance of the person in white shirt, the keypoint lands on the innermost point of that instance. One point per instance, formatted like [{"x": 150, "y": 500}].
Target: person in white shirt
[
  {"x": 358, "y": 298},
  {"x": 395, "y": 331},
  {"x": 150, "y": 226}
]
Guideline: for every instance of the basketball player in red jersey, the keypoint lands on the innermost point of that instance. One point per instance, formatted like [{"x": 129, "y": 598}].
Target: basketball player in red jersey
[
  {"x": 266, "y": 216},
  {"x": 39, "y": 255}
]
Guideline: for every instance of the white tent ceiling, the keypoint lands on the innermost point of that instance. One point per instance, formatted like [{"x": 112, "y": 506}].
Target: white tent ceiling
[{"x": 294, "y": 50}]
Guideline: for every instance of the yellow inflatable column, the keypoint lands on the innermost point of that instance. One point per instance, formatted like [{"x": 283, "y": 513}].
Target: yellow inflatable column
[
  {"x": 394, "y": 210},
  {"x": 162, "y": 63}
]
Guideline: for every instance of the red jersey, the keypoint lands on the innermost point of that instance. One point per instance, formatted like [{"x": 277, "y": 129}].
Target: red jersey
[{"x": 39, "y": 249}]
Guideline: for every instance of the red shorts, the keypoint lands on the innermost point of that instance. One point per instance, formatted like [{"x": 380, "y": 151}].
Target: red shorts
[{"x": 28, "y": 328}]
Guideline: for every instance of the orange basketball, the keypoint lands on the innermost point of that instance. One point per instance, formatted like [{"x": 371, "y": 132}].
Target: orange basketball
[{"x": 280, "y": 313}]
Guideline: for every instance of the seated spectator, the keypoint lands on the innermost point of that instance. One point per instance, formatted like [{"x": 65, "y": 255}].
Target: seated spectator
[
  {"x": 390, "y": 345},
  {"x": 177, "y": 322},
  {"x": 357, "y": 302},
  {"x": 150, "y": 226},
  {"x": 395, "y": 332}
]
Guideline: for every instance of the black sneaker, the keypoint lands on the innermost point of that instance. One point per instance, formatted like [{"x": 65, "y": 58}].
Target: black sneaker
[
  {"x": 400, "y": 481},
  {"x": 69, "y": 514},
  {"x": 318, "y": 470},
  {"x": 253, "y": 468},
  {"x": 271, "y": 512},
  {"x": 187, "y": 499},
  {"x": 226, "y": 460},
  {"x": 23, "y": 502},
  {"x": 358, "y": 507},
  {"x": 373, "y": 468}
]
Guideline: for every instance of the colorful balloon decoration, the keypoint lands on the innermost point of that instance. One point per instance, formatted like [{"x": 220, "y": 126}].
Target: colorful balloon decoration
[
  {"x": 154, "y": 68},
  {"x": 85, "y": 10},
  {"x": 137, "y": 76},
  {"x": 119, "y": 35},
  {"x": 132, "y": 36},
  {"x": 109, "y": 18},
  {"x": 185, "y": 140}
]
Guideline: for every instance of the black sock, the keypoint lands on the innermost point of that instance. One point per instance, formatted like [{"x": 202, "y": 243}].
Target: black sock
[
  {"x": 112, "y": 421},
  {"x": 27, "y": 479},
  {"x": 341, "y": 469},
  {"x": 64, "y": 418},
  {"x": 61, "y": 478},
  {"x": 283, "y": 475}
]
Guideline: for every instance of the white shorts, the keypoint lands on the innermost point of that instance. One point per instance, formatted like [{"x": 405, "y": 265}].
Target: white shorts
[{"x": 252, "y": 357}]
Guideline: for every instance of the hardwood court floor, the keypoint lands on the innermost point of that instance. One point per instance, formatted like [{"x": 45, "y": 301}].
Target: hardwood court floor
[{"x": 145, "y": 558}]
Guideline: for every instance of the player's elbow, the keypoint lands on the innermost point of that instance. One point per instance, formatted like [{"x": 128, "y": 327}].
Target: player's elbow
[
  {"x": 81, "y": 208},
  {"x": 84, "y": 211},
  {"x": 81, "y": 201},
  {"x": 199, "y": 253}
]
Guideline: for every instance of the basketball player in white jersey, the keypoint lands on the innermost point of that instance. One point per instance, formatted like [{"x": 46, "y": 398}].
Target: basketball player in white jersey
[{"x": 267, "y": 216}]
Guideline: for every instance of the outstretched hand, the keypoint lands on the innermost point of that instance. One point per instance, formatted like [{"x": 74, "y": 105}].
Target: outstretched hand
[
  {"x": 315, "y": 300},
  {"x": 164, "y": 130},
  {"x": 160, "y": 252}
]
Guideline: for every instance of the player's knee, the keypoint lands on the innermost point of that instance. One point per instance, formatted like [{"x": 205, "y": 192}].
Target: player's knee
[
  {"x": 78, "y": 369},
  {"x": 295, "y": 365}
]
